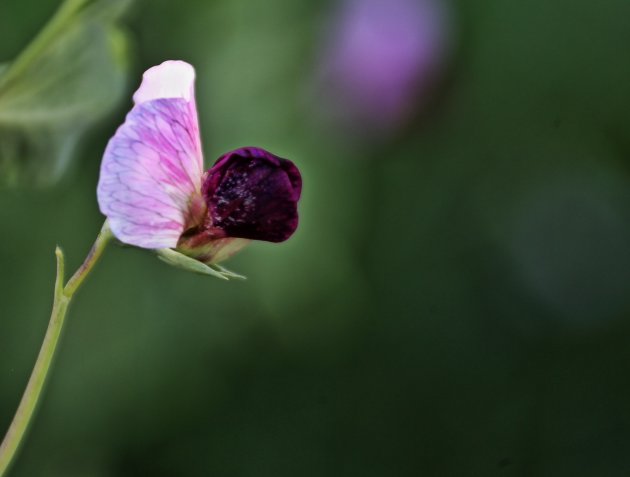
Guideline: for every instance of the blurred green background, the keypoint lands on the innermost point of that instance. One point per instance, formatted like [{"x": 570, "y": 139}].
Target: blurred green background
[{"x": 456, "y": 301}]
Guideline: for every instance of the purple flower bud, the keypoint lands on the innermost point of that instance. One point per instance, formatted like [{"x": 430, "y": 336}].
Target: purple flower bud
[{"x": 253, "y": 194}]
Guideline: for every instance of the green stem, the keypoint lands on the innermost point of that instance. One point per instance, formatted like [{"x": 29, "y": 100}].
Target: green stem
[{"x": 63, "y": 296}]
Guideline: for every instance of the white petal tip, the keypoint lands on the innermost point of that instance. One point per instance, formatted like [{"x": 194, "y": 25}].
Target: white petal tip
[{"x": 171, "y": 79}]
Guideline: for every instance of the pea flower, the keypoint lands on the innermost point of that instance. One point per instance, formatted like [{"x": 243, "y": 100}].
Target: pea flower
[{"x": 155, "y": 194}]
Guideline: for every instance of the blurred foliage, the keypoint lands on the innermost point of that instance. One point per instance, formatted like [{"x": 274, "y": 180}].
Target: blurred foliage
[
  {"x": 72, "y": 73},
  {"x": 456, "y": 301}
]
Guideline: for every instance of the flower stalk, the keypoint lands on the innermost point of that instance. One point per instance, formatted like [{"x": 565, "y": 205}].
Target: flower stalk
[{"x": 62, "y": 299}]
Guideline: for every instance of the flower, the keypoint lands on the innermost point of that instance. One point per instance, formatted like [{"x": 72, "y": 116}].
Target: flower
[
  {"x": 381, "y": 57},
  {"x": 155, "y": 194}
]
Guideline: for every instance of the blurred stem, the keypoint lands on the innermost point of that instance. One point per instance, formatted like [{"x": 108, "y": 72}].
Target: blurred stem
[
  {"x": 63, "y": 296},
  {"x": 56, "y": 24}
]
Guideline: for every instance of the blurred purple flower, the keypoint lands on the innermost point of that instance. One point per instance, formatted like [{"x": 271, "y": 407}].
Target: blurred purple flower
[
  {"x": 382, "y": 56},
  {"x": 154, "y": 192}
]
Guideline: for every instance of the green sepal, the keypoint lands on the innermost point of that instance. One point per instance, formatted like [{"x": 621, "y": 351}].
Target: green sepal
[
  {"x": 187, "y": 263},
  {"x": 228, "y": 273}
]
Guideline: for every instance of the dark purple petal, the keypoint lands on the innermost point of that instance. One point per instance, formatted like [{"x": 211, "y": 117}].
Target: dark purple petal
[{"x": 253, "y": 194}]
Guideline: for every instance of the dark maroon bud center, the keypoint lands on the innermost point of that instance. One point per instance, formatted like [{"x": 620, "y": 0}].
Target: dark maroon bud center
[{"x": 253, "y": 194}]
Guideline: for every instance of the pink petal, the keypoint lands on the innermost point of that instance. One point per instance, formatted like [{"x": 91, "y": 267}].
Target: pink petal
[{"x": 152, "y": 167}]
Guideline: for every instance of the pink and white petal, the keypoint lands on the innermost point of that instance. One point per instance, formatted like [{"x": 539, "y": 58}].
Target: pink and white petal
[{"x": 151, "y": 172}]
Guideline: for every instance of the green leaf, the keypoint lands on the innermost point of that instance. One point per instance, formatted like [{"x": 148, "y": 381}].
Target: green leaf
[{"x": 67, "y": 78}]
